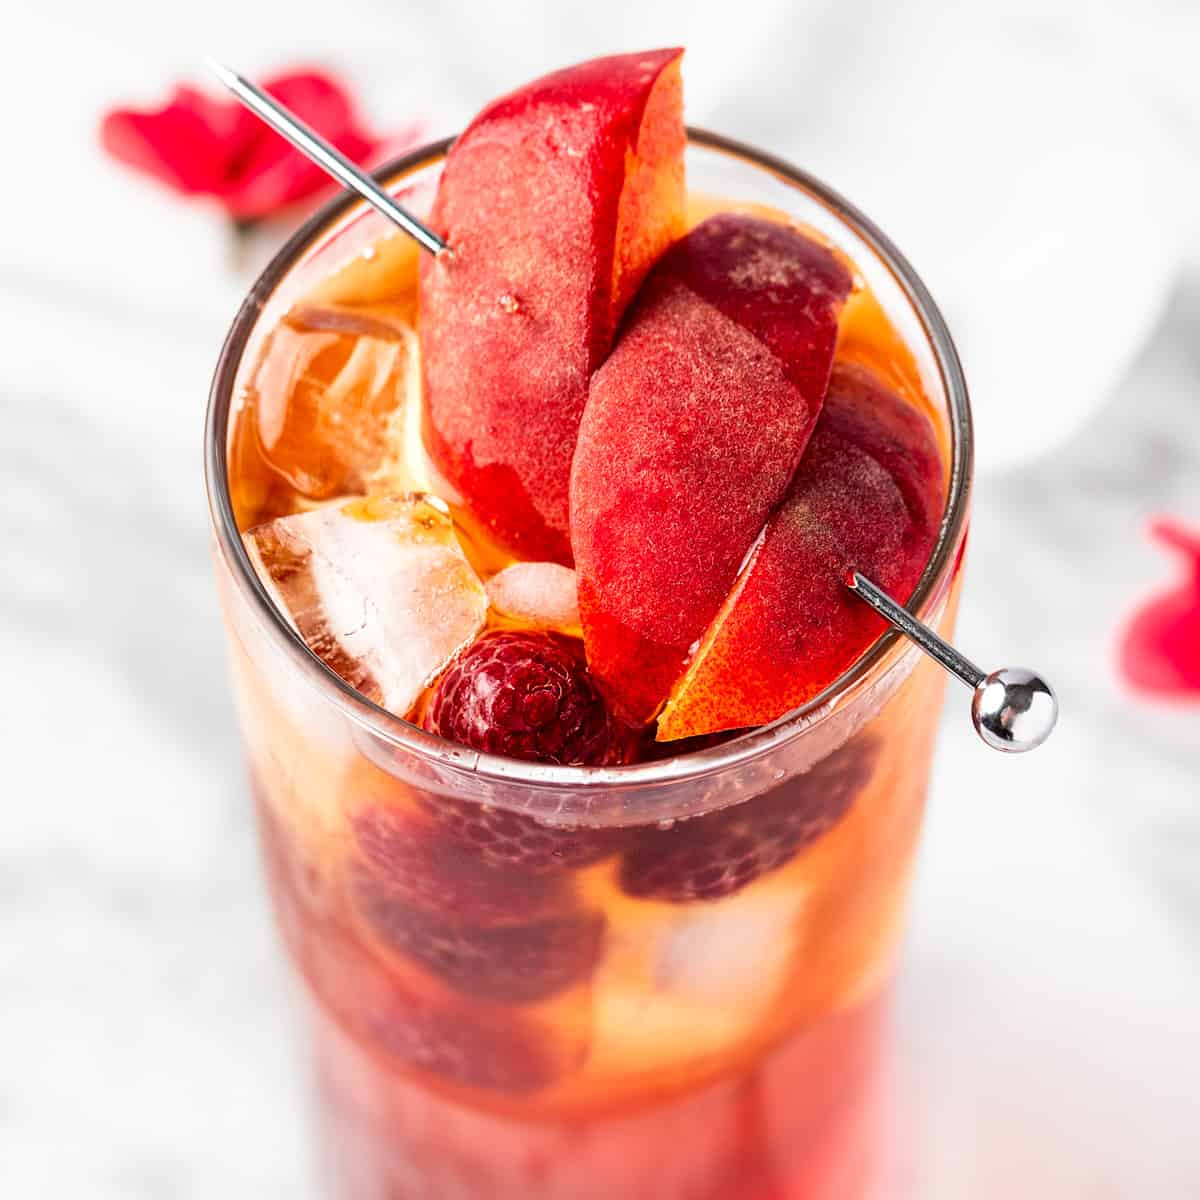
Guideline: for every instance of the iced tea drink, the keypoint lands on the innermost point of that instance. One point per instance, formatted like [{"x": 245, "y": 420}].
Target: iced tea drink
[{"x": 662, "y": 973}]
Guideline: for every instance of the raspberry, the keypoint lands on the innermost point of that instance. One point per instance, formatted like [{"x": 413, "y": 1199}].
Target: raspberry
[
  {"x": 490, "y": 929},
  {"x": 528, "y": 696},
  {"x": 418, "y": 863},
  {"x": 466, "y": 1044},
  {"x": 499, "y": 1055},
  {"x": 513, "y": 964},
  {"x": 709, "y": 857},
  {"x": 508, "y": 839}
]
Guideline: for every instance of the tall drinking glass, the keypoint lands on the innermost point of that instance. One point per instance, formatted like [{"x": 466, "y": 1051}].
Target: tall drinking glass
[{"x": 663, "y": 980}]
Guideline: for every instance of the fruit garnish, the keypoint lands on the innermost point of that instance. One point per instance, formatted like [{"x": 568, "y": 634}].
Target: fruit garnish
[
  {"x": 655, "y": 751},
  {"x": 868, "y": 495},
  {"x": 528, "y": 696},
  {"x": 555, "y": 202},
  {"x": 513, "y": 963},
  {"x": 709, "y": 857},
  {"x": 379, "y": 589},
  {"x": 693, "y": 429}
]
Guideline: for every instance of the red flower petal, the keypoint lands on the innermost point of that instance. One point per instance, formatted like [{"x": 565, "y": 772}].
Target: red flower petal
[
  {"x": 201, "y": 146},
  {"x": 188, "y": 143},
  {"x": 269, "y": 173},
  {"x": 1159, "y": 651}
]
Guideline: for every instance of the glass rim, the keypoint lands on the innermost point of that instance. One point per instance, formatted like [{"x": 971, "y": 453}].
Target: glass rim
[{"x": 743, "y": 748}]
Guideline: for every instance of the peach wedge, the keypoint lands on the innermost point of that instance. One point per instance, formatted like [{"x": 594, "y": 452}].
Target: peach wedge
[
  {"x": 693, "y": 429},
  {"x": 555, "y": 201},
  {"x": 868, "y": 496}
]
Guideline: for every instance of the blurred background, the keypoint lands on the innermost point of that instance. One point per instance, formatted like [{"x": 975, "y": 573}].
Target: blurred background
[{"x": 1040, "y": 165}]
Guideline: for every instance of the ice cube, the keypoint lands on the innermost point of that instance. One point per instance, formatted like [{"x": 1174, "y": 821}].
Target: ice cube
[
  {"x": 378, "y": 588},
  {"x": 541, "y": 594},
  {"x": 731, "y": 954},
  {"x": 694, "y": 983},
  {"x": 329, "y": 399}
]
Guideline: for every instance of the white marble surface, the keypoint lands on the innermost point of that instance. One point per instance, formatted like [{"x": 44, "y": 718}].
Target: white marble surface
[{"x": 1049, "y": 1041}]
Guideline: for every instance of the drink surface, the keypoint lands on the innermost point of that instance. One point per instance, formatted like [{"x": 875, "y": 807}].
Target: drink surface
[
  {"x": 507, "y": 1007},
  {"x": 333, "y": 407}
]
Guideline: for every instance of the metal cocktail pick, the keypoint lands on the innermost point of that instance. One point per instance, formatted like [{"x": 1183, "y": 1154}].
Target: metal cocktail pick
[
  {"x": 1013, "y": 709},
  {"x": 313, "y": 146}
]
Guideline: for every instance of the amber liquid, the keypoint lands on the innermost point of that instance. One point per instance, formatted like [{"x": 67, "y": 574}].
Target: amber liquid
[{"x": 719, "y": 1048}]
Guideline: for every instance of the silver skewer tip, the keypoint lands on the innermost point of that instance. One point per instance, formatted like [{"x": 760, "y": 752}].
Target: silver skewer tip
[
  {"x": 222, "y": 72},
  {"x": 1014, "y": 709}
]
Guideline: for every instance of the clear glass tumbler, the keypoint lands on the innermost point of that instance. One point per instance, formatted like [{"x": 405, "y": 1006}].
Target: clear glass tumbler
[{"x": 495, "y": 1010}]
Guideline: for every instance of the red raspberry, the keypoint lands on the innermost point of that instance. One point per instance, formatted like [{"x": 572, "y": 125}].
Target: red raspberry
[
  {"x": 505, "y": 1054},
  {"x": 503, "y": 838},
  {"x": 709, "y": 857},
  {"x": 513, "y": 964},
  {"x": 487, "y": 928},
  {"x": 468, "y": 1044},
  {"x": 529, "y": 696},
  {"x": 416, "y": 862}
]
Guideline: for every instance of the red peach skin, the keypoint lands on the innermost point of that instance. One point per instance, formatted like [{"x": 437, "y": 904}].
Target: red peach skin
[
  {"x": 556, "y": 201},
  {"x": 694, "y": 427},
  {"x": 868, "y": 495}
]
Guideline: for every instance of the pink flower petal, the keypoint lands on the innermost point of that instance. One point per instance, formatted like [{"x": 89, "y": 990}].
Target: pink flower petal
[
  {"x": 1159, "y": 651},
  {"x": 202, "y": 146}
]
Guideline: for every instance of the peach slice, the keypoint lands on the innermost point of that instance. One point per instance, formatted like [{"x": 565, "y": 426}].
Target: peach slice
[
  {"x": 556, "y": 201},
  {"x": 694, "y": 426},
  {"x": 868, "y": 495}
]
